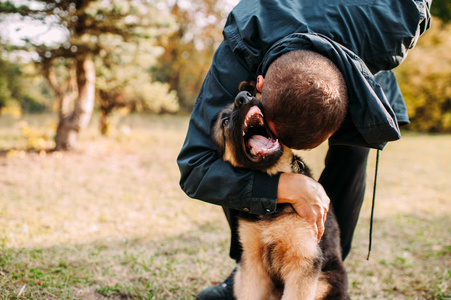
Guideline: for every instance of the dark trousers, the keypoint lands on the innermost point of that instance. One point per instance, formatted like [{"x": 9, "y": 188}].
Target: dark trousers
[{"x": 343, "y": 179}]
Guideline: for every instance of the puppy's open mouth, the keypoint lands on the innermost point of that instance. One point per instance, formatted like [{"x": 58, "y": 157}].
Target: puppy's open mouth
[{"x": 258, "y": 141}]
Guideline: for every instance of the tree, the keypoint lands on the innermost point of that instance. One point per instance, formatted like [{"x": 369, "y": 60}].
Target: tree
[
  {"x": 16, "y": 92},
  {"x": 425, "y": 80},
  {"x": 188, "y": 51},
  {"x": 442, "y": 10},
  {"x": 69, "y": 66},
  {"x": 125, "y": 81},
  {"x": 5, "y": 90}
]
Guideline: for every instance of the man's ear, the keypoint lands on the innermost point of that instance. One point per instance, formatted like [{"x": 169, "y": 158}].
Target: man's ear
[{"x": 260, "y": 81}]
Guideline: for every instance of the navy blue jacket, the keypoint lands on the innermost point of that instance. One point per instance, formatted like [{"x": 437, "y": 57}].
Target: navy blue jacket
[{"x": 362, "y": 38}]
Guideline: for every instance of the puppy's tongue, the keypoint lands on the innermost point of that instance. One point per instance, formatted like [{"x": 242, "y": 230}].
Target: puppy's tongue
[{"x": 260, "y": 145}]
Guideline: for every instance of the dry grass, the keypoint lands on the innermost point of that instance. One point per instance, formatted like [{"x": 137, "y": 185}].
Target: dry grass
[{"x": 109, "y": 221}]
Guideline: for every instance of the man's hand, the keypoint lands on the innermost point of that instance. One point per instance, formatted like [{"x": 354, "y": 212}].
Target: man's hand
[{"x": 307, "y": 197}]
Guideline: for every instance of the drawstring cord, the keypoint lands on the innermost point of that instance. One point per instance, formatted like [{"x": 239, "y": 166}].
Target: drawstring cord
[{"x": 372, "y": 207}]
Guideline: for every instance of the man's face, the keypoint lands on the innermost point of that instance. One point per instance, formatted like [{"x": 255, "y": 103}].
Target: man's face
[{"x": 271, "y": 126}]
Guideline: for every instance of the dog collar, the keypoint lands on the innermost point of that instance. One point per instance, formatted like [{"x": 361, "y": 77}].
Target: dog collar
[{"x": 297, "y": 165}]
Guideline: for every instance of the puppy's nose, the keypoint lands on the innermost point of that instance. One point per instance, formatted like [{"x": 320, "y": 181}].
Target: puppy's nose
[{"x": 243, "y": 98}]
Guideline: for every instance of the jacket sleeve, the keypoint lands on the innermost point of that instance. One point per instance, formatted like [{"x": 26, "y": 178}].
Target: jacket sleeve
[
  {"x": 204, "y": 175},
  {"x": 380, "y": 32},
  {"x": 387, "y": 80}
]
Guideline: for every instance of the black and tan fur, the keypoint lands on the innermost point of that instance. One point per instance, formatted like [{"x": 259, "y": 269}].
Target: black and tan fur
[{"x": 281, "y": 258}]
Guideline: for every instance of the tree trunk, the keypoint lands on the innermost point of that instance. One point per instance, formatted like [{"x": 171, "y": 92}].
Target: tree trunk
[
  {"x": 104, "y": 123},
  {"x": 70, "y": 124}
]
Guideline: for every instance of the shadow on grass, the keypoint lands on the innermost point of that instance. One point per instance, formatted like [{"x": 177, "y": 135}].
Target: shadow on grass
[{"x": 171, "y": 268}]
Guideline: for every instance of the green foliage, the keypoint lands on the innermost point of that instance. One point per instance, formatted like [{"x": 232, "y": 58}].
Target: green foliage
[
  {"x": 21, "y": 89},
  {"x": 151, "y": 96},
  {"x": 123, "y": 78},
  {"x": 188, "y": 51},
  {"x": 442, "y": 10},
  {"x": 121, "y": 37},
  {"x": 6, "y": 78},
  {"x": 425, "y": 80}
]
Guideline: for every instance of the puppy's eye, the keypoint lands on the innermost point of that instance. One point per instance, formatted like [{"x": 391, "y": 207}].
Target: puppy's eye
[{"x": 225, "y": 122}]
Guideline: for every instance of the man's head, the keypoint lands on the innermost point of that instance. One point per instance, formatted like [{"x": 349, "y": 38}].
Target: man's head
[{"x": 304, "y": 97}]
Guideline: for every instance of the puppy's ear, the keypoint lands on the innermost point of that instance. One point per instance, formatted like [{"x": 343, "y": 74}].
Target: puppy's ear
[
  {"x": 248, "y": 86},
  {"x": 251, "y": 87},
  {"x": 217, "y": 135}
]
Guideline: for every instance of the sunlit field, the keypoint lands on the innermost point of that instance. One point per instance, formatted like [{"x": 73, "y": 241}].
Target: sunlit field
[{"x": 109, "y": 221}]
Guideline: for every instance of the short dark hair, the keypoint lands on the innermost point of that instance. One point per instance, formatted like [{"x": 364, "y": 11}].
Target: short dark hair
[{"x": 305, "y": 96}]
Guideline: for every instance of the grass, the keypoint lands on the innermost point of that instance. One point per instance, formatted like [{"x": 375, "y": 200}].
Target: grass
[{"x": 109, "y": 220}]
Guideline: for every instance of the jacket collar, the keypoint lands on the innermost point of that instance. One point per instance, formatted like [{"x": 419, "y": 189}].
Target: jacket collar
[{"x": 371, "y": 120}]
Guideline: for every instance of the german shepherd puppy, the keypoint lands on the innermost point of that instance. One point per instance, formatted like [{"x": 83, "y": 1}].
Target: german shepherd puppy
[{"x": 281, "y": 258}]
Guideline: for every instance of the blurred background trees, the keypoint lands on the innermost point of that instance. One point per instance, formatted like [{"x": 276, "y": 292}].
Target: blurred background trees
[
  {"x": 425, "y": 76},
  {"x": 425, "y": 80},
  {"x": 22, "y": 89},
  {"x": 118, "y": 36},
  {"x": 188, "y": 51},
  {"x": 152, "y": 56}
]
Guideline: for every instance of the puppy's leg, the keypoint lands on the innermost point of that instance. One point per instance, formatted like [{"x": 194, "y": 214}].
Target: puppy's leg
[
  {"x": 237, "y": 282},
  {"x": 301, "y": 260},
  {"x": 252, "y": 280},
  {"x": 333, "y": 283},
  {"x": 300, "y": 286}
]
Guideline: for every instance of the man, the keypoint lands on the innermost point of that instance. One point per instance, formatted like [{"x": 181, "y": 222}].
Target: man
[{"x": 362, "y": 38}]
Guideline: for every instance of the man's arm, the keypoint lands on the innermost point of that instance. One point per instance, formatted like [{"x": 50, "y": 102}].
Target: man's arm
[
  {"x": 307, "y": 197},
  {"x": 204, "y": 175}
]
